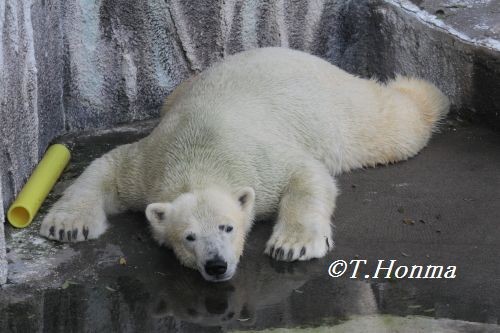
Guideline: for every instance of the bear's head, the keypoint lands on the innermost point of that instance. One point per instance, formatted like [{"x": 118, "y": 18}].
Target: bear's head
[{"x": 205, "y": 228}]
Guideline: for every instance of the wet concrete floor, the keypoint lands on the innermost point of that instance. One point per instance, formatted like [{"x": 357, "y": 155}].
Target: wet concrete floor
[{"x": 441, "y": 208}]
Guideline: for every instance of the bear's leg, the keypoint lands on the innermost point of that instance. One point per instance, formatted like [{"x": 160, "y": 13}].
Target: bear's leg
[
  {"x": 303, "y": 230},
  {"x": 80, "y": 214}
]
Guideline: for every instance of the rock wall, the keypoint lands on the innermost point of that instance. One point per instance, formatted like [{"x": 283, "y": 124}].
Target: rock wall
[
  {"x": 3, "y": 259},
  {"x": 76, "y": 64},
  {"x": 395, "y": 36}
]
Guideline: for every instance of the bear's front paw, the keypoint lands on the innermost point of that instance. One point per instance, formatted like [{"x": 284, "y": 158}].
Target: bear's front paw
[
  {"x": 299, "y": 243},
  {"x": 72, "y": 225}
]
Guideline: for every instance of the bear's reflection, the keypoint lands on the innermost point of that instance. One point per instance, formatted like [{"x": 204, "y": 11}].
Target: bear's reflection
[
  {"x": 161, "y": 295},
  {"x": 263, "y": 290},
  {"x": 187, "y": 297},
  {"x": 264, "y": 293}
]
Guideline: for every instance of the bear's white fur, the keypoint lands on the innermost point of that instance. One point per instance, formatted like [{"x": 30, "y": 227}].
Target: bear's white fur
[{"x": 259, "y": 134}]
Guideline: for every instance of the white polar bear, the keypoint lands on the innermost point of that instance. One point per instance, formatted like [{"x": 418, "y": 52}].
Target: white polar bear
[{"x": 260, "y": 133}]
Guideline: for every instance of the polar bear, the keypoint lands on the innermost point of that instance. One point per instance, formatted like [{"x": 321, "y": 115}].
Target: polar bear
[{"x": 260, "y": 134}]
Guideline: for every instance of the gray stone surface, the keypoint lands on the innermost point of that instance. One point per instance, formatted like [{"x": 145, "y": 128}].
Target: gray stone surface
[
  {"x": 450, "y": 191},
  {"x": 75, "y": 65},
  {"x": 3, "y": 254},
  {"x": 477, "y": 20}
]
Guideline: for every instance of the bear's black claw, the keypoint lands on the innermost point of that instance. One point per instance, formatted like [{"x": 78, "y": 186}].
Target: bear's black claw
[
  {"x": 61, "y": 234},
  {"x": 290, "y": 255},
  {"x": 85, "y": 232},
  {"x": 279, "y": 253},
  {"x": 327, "y": 243},
  {"x": 52, "y": 231},
  {"x": 302, "y": 251},
  {"x": 75, "y": 234},
  {"x": 69, "y": 235}
]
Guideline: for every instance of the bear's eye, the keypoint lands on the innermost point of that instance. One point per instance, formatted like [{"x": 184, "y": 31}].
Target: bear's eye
[
  {"x": 191, "y": 237},
  {"x": 226, "y": 228}
]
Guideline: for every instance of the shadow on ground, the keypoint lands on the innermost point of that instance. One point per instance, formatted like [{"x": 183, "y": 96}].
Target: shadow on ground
[{"x": 439, "y": 208}]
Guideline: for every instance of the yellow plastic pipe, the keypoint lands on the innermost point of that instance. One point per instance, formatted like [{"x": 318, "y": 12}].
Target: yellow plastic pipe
[{"x": 44, "y": 177}]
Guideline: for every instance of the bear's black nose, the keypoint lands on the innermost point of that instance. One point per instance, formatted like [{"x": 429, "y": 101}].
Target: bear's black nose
[{"x": 215, "y": 267}]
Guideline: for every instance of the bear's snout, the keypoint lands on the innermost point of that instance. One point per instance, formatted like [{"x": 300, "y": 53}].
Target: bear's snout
[{"x": 216, "y": 266}]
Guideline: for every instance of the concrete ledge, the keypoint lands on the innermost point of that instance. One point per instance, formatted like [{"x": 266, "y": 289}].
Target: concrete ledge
[
  {"x": 385, "y": 38},
  {"x": 441, "y": 41}
]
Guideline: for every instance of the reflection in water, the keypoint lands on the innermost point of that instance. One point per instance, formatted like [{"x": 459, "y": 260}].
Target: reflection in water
[
  {"x": 184, "y": 300},
  {"x": 274, "y": 295},
  {"x": 153, "y": 292}
]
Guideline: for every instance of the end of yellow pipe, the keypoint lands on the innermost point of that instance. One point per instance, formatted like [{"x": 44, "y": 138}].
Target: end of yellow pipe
[
  {"x": 19, "y": 216},
  {"x": 24, "y": 209}
]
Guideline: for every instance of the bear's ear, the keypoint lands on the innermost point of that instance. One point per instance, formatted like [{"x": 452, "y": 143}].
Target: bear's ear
[
  {"x": 157, "y": 212},
  {"x": 246, "y": 198}
]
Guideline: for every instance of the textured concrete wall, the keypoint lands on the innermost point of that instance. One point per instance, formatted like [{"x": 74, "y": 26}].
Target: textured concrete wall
[
  {"x": 3, "y": 259},
  {"x": 31, "y": 88},
  {"x": 384, "y": 38},
  {"x": 123, "y": 57},
  {"x": 77, "y": 64},
  {"x": 30, "y": 91}
]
